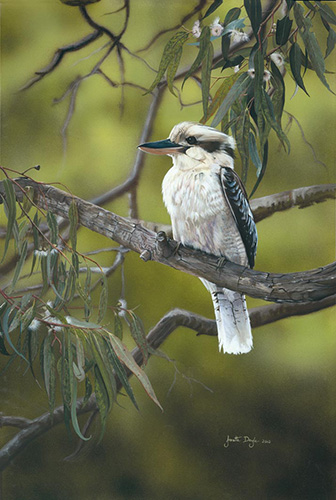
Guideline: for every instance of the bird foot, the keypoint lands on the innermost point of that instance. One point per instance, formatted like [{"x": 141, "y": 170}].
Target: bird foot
[
  {"x": 165, "y": 246},
  {"x": 220, "y": 263}
]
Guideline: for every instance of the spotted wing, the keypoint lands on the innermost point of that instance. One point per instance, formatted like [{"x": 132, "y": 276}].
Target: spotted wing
[{"x": 236, "y": 196}]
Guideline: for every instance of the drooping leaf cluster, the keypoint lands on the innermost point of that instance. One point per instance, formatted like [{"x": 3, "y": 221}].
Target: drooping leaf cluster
[
  {"x": 248, "y": 102},
  {"x": 77, "y": 355}
]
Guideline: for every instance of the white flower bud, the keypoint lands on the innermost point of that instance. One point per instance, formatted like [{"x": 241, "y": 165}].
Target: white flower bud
[
  {"x": 196, "y": 29},
  {"x": 216, "y": 28}
]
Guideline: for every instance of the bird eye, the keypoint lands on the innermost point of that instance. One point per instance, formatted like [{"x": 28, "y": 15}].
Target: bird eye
[{"x": 191, "y": 140}]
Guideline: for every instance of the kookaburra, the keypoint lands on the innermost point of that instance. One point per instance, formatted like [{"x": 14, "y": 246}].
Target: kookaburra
[{"x": 210, "y": 211}]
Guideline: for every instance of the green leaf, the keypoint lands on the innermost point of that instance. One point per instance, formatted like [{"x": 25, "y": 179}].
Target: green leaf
[
  {"x": 283, "y": 28},
  {"x": 268, "y": 112},
  {"x": 232, "y": 15},
  {"x": 237, "y": 89},
  {"x": 172, "y": 68},
  {"x": 204, "y": 42},
  {"x": 290, "y": 4},
  {"x": 82, "y": 324},
  {"x": 74, "y": 418},
  {"x": 263, "y": 168},
  {"x": 73, "y": 219},
  {"x": 80, "y": 358},
  {"x": 100, "y": 356},
  {"x": 258, "y": 82},
  {"x": 309, "y": 39},
  {"x": 218, "y": 98},
  {"x": 52, "y": 224},
  {"x": 88, "y": 391},
  {"x": 101, "y": 398},
  {"x": 295, "y": 65},
  {"x": 118, "y": 328},
  {"x": 10, "y": 210},
  {"x": 331, "y": 41},
  {"x": 253, "y": 152},
  {"x": 242, "y": 129},
  {"x": 206, "y": 77},
  {"x": 125, "y": 356},
  {"x": 19, "y": 265},
  {"x": 226, "y": 40},
  {"x": 326, "y": 12},
  {"x": 103, "y": 299},
  {"x": 213, "y": 7},
  {"x": 5, "y": 329},
  {"x": 253, "y": 9},
  {"x": 49, "y": 370},
  {"x": 121, "y": 373},
  {"x": 139, "y": 335},
  {"x": 168, "y": 54},
  {"x": 278, "y": 97}
]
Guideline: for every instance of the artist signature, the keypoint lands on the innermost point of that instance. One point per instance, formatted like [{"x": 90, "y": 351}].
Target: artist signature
[{"x": 250, "y": 442}]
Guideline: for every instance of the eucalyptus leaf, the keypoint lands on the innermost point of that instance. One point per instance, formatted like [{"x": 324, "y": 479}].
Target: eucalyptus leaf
[
  {"x": 331, "y": 41},
  {"x": 10, "y": 210},
  {"x": 169, "y": 52},
  {"x": 218, "y": 98},
  {"x": 295, "y": 65},
  {"x": 309, "y": 39},
  {"x": 263, "y": 168},
  {"x": 204, "y": 42},
  {"x": 215, "y": 4},
  {"x": 236, "y": 90},
  {"x": 253, "y": 9},
  {"x": 326, "y": 12},
  {"x": 232, "y": 15},
  {"x": 125, "y": 356},
  {"x": 283, "y": 28},
  {"x": 73, "y": 219},
  {"x": 253, "y": 152},
  {"x": 206, "y": 77}
]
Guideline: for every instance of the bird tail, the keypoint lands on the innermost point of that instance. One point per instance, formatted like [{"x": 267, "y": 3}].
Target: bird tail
[{"x": 232, "y": 318}]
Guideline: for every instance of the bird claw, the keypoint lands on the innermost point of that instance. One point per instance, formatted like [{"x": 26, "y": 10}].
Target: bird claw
[
  {"x": 220, "y": 263},
  {"x": 165, "y": 246}
]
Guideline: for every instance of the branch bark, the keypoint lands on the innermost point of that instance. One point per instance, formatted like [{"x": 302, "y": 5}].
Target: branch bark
[
  {"x": 170, "y": 322},
  {"x": 304, "y": 286}
]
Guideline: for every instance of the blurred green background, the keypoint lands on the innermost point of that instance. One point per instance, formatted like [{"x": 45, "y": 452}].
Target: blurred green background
[{"x": 283, "y": 391}]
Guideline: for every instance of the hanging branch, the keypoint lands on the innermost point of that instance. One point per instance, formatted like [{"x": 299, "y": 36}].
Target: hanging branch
[{"x": 32, "y": 429}]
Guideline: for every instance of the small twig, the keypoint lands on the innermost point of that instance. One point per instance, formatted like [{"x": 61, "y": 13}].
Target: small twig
[
  {"x": 197, "y": 8},
  {"x": 58, "y": 56}
]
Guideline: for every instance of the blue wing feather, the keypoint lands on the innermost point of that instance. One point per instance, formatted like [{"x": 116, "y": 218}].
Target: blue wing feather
[{"x": 236, "y": 196}]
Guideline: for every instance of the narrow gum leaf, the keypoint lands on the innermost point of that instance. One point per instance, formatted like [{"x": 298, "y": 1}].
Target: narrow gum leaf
[
  {"x": 73, "y": 219},
  {"x": 295, "y": 65},
  {"x": 253, "y": 9},
  {"x": 10, "y": 210},
  {"x": 213, "y": 7},
  {"x": 172, "y": 68},
  {"x": 125, "y": 356},
  {"x": 283, "y": 28},
  {"x": 168, "y": 54},
  {"x": 221, "y": 92},
  {"x": 309, "y": 39},
  {"x": 237, "y": 89},
  {"x": 204, "y": 41},
  {"x": 206, "y": 77}
]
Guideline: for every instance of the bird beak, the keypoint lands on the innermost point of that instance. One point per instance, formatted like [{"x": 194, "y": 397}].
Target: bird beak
[{"x": 166, "y": 147}]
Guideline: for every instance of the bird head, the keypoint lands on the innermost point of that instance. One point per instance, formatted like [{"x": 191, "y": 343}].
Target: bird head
[{"x": 194, "y": 140}]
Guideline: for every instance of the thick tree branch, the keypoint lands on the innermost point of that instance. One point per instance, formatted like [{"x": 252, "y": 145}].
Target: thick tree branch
[
  {"x": 300, "y": 197},
  {"x": 292, "y": 287},
  {"x": 170, "y": 322}
]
